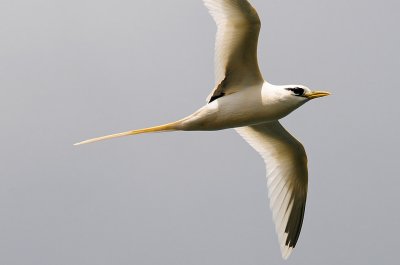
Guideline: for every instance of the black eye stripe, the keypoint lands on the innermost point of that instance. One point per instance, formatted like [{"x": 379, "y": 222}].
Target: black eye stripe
[{"x": 298, "y": 91}]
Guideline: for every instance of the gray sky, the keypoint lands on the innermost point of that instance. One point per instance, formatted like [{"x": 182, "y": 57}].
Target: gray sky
[{"x": 70, "y": 70}]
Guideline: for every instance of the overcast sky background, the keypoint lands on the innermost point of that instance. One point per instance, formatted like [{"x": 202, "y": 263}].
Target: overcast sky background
[{"x": 71, "y": 70}]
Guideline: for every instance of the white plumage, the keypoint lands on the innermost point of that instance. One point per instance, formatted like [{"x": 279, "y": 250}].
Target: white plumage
[
  {"x": 242, "y": 99},
  {"x": 238, "y": 27},
  {"x": 286, "y": 164}
]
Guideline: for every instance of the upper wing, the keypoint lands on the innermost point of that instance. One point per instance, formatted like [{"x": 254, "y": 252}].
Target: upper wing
[
  {"x": 286, "y": 163},
  {"x": 236, "y": 63}
]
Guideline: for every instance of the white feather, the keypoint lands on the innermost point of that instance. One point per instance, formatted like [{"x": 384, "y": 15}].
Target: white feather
[
  {"x": 286, "y": 165},
  {"x": 236, "y": 45}
]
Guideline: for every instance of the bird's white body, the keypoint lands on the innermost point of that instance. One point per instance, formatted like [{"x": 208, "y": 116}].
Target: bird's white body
[
  {"x": 256, "y": 104},
  {"x": 243, "y": 100}
]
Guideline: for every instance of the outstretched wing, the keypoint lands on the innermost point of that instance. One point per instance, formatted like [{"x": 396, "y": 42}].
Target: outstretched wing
[
  {"x": 287, "y": 174},
  {"x": 236, "y": 65}
]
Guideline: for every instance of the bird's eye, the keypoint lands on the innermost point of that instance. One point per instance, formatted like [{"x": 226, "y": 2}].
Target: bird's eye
[{"x": 298, "y": 91}]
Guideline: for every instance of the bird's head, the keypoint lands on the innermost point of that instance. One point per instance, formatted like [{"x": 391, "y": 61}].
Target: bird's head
[{"x": 284, "y": 99}]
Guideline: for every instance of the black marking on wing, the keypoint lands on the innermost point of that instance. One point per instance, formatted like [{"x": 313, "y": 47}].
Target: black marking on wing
[
  {"x": 219, "y": 91},
  {"x": 216, "y": 97},
  {"x": 295, "y": 221}
]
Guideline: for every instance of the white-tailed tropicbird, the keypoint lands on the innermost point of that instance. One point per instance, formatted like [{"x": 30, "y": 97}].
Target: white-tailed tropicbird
[{"x": 243, "y": 100}]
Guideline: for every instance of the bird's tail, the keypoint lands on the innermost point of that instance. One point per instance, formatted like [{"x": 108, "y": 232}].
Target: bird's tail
[{"x": 161, "y": 128}]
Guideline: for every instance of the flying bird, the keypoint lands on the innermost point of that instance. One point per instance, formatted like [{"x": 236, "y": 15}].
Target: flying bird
[{"x": 243, "y": 100}]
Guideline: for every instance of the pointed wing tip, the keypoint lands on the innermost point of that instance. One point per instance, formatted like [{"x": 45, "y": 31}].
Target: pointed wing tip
[{"x": 286, "y": 251}]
